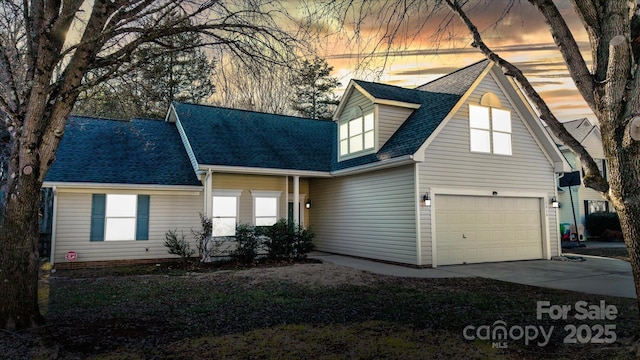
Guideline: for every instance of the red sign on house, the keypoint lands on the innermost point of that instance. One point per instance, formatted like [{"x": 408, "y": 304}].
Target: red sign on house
[{"x": 71, "y": 256}]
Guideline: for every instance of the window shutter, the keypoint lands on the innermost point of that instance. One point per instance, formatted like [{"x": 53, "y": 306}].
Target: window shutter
[
  {"x": 142, "y": 223},
  {"x": 98, "y": 209}
]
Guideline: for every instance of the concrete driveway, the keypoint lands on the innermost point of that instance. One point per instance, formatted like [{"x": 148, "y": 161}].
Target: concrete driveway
[{"x": 595, "y": 275}]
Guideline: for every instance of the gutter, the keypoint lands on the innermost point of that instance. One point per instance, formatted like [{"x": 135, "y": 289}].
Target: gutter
[
  {"x": 56, "y": 184},
  {"x": 261, "y": 171},
  {"x": 384, "y": 164}
]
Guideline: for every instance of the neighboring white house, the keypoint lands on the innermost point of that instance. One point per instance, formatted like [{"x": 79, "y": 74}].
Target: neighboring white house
[
  {"x": 578, "y": 201},
  {"x": 459, "y": 170}
]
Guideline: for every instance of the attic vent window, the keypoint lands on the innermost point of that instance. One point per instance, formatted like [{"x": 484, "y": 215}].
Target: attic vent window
[{"x": 357, "y": 133}]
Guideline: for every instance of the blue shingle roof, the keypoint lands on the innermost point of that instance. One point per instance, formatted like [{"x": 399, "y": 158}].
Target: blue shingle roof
[
  {"x": 140, "y": 151},
  {"x": 436, "y": 100},
  {"x": 143, "y": 151},
  {"x": 231, "y": 137}
]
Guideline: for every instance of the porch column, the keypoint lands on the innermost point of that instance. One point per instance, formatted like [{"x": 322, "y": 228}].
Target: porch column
[
  {"x": 296, "y": 199},
  {"x": 286, "y": 197}
]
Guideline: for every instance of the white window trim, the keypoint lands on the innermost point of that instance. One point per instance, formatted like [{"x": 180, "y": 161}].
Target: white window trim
[
  {"x": 228, "y": 193},
  {"x": 107, "y": 217},
  {"x": 361, "y": 118},
  {"x": 491, "y": 131},
  {"x": 266, "y": 194}
]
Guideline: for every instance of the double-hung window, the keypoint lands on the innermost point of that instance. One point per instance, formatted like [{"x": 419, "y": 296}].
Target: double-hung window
[
  {"x": 225, "y": 212},
  {"x": 119, "y": 217},
  {"x": 265, "y": 207},
  {"x": 357, "y": 134},
  {"x": 490, "y": 130}
]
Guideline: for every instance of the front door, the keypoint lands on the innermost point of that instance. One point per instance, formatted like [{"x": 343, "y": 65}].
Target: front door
[{"x": 290, "y": 213}]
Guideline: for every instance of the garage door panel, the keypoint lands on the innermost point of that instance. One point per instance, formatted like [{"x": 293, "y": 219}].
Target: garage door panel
[{"x": 472, "y": 229}]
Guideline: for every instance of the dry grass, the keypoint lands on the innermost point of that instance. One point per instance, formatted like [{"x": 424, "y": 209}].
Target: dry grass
[{"x": 303, "y": 311}]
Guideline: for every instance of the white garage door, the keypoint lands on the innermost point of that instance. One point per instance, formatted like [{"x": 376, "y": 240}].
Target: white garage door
[{"x": 474, "y": 229}]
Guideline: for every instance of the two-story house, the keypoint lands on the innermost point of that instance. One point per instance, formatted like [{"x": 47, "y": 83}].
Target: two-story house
[{"x": 459, "y": 170}]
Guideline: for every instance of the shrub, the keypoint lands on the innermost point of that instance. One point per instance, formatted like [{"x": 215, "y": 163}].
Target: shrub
[
  {"x": 247, "y": 244},
  {"x": 286, "y": 240},
  {"x": 598, "y": 223},
  {"x": 208, "y": 245},
  {"x": 178, "y": 245}
]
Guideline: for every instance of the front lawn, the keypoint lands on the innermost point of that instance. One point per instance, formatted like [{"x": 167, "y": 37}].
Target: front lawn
[{"x": 310, "y": 311}]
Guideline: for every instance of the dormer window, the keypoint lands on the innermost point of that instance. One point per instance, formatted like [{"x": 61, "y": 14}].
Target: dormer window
[
  {"x": 490, "y": 127},
  {"x": 357, "y": 133}
]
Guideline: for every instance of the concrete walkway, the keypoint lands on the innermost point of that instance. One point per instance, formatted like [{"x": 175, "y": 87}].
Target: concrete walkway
[{"x": 595, "y": 275}]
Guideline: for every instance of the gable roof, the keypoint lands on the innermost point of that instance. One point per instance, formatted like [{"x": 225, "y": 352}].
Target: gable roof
[
  {"x": 586, "y": 133},
  {"x": 436, "y": 98},
  {"x": 579, "y": 129},
  {"x": 140, "y": 151},
  {"x": 230, "y": 137}
]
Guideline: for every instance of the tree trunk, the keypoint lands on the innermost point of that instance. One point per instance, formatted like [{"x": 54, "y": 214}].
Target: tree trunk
[
  {"x": 630, "y": 223},
  {"x": 19, "y": 261}
]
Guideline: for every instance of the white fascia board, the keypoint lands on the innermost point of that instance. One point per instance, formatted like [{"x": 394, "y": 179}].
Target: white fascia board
[
  {"x": 343, "y": 101},
  {"x": 384, "y": 164},
  {"x": 79, "y": 185},
  {"x": 399, "y": 161},
  {"x": 261, "y": 171},
  {"x": 397, "y": 103}
]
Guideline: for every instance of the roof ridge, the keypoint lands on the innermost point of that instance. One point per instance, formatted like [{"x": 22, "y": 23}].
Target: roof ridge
[
  {"x": 452, "y": 73},
  {"x": 97, "y": 118},
  {"x": 384, "y": 84},
  {"x": 246, "y": 111}
]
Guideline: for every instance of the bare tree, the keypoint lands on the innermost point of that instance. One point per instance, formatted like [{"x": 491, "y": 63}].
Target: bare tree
[
  {"x": 241, "y": 87},
  {"x": 610, "y": 87},
  {"x": 46, "y": 49},
  {"x": 176, "y": 69}
]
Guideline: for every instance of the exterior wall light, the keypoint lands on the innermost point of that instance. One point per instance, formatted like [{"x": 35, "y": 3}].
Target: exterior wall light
[
  {"x": 554, "y": 202},
  {"x": 308, "y": 204},
  {"x": 426, "y": 199}
]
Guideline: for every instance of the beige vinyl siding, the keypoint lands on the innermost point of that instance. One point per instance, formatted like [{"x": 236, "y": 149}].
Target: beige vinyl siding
[
  {"x": 356, "y": 99},
  {"x": 449, "y": 163},
  {"x": 246, "y": 183},
  {"x": 389, "y": 118},
  {"x": 370, "y": 215},
  {"x": 167, "y": 211}
]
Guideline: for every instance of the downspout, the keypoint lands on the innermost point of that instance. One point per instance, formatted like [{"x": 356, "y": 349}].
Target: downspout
[
  {"x": 208, "y": 199},
  {"x": 54, "y": 214}
]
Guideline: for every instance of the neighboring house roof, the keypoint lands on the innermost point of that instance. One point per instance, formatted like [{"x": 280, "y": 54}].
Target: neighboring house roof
[
  {"x": 579, "y": 129},
  {"x": 140, "y": 151},
  {"x": 586, "y": 133},
  {"x": 231, "y": 137},
  {"x": 437, "y": 98}
]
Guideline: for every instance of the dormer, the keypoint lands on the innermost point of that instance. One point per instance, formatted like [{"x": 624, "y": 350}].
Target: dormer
[{"x": 369, "y": 115}]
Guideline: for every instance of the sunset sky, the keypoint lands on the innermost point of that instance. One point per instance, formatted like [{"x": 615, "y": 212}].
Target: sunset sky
[{"x": 521, "y": 37}]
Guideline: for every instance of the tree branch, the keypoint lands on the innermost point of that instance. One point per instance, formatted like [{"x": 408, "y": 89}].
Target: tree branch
[
  {"x": 569, "y": 49},
  {"x": 618, "y": 73},
  {"x": 592, "y": 177}
]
